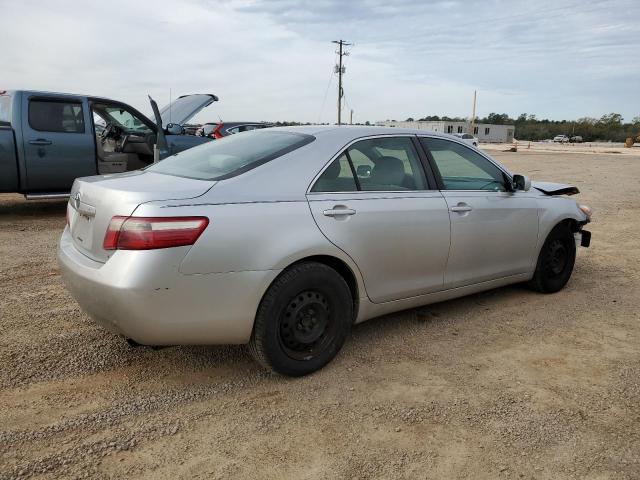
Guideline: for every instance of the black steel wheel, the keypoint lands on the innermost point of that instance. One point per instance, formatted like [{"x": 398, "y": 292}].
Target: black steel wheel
[
  {"x": 303, "y": 320},
  {"x": 556, "y": 260}
]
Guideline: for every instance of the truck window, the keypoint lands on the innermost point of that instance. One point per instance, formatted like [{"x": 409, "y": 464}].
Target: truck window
[
  {"x": 55, "y": 116},
  {"x": 5, "y": 108}
]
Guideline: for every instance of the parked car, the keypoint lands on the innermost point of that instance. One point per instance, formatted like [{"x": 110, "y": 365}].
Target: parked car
[
  {"x": 560, "y": 139},
  {"x": 283, "y": 238},
  {"x": 467, "y": 137},
  {"x": 219, "y": 130},
  {"x": 49, "y": 139},
  {"x": 576, "y": 139}
]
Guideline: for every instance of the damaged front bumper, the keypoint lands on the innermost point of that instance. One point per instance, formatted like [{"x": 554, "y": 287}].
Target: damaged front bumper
[{"x": 583, "y": 237}]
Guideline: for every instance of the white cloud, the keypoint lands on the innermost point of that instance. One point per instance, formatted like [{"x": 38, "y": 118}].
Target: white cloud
[{"x": 271, "y": 60}]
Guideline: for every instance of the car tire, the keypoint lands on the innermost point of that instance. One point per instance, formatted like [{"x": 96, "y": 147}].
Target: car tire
[
  {"x": 303, "y": 320},
  {"x": 475, "y": 144},
  {"x": 555, "y": 262}
]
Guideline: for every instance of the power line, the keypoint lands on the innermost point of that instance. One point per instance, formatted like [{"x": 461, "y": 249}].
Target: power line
[{"x": 324, "y": 100}]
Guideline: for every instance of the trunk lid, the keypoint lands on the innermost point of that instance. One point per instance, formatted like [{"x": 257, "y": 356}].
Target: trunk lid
[
  {"x": 182, "y": 109},
  {"x": 95, "y": 200}
]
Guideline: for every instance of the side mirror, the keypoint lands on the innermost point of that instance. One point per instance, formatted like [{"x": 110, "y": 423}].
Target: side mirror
[
  {"x": 521, "y": 182},
  {"x": 174, "y": 129},
  {"x": 363, "y": 171}
]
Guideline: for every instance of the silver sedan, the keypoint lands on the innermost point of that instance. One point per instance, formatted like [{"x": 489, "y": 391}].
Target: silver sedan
[{"x": 283, "y": 238}]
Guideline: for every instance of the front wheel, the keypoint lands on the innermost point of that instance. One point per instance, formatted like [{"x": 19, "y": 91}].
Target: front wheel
[
  {"x": 555, "y": 262},
  {"x": 303, "y": 320}
]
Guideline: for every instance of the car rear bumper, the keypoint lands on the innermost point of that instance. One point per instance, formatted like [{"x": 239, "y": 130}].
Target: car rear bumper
[{"x": 141, "y": 295}]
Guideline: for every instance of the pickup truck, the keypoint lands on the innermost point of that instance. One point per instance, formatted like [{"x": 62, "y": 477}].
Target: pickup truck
[{"x": 49, "y": 139}]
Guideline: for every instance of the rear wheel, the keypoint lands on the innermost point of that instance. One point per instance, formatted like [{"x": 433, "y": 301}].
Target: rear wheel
[
  {"x": 555, "y": 262},
  {"x": 303, "y": 320}
]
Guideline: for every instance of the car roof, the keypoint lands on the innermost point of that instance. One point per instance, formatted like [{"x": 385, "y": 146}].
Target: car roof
[
  {"x": 233, "y": 124},
  {"x": 348, "y": 132},
  {"x": 45, "y": 93}
]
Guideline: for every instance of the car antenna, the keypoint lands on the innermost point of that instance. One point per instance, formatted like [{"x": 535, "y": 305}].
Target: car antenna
[{"x": 169, "y": 105}]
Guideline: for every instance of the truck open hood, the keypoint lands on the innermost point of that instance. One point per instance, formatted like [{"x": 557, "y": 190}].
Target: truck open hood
[
  {"x": 549, "y": 188},
  {"x": 183, "y": 108}
]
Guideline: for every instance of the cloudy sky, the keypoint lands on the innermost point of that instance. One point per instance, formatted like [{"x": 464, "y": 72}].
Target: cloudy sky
[{"x": 273, "y": 60}]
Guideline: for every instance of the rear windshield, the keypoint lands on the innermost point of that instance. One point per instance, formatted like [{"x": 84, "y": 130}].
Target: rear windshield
[
  {"x": 232, "y": 155},
  {"x": 5, "y": 108}
]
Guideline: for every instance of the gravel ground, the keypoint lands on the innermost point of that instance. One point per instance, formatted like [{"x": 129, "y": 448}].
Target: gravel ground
[{"x": 503, "y": 384}]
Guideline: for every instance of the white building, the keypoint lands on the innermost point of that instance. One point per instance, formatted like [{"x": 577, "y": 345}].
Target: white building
[{"x": 484, "y": 131}]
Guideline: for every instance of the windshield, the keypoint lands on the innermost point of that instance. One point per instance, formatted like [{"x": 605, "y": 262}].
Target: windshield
[{"x": 232, "y": 155}]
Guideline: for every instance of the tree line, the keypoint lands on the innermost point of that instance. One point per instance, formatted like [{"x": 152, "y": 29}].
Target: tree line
[{"x": 610, "y": 127}]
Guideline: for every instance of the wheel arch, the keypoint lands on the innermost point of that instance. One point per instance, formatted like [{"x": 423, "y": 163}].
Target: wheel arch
[
  {"x": 572, "y": 222},
  {"x": 340, "y": 266}
]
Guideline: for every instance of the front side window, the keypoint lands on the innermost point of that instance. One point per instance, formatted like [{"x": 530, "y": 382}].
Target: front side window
[
  {"x": 462, "y": 168},
  {"x": 53, "y": 116},
  {"x": 126, "y": 119},
  {"x": 388, "y": 164},
  {"x": 231, "y": 155}
]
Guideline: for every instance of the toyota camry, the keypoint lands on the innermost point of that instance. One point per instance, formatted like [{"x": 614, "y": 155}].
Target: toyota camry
[{"x": 284, "y": 238}]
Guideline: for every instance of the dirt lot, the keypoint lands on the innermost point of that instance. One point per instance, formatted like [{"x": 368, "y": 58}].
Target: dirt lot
[{"x": 504, "y": 384}]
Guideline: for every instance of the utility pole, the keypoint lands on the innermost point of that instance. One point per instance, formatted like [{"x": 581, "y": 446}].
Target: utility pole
[
  {"x": 351, "y": 118},
  {"x": 340, "y": 70},
  {"x": 473, "y": 115}
]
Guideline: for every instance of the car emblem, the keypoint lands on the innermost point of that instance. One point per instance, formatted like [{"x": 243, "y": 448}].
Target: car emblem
[{"x": 76, "y": 200}]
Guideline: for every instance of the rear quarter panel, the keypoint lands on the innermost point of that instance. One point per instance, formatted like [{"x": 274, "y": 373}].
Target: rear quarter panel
[{"x": 252, "y": 236}]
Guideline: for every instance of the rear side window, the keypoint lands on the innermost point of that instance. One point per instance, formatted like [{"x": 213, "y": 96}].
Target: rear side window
[
  {"x": 53, "y": 116},
  {"x": 385, "y": 164},
  {"x": 338, "y": 177},
  {"x": 5, "y": 108},
  {"x": 232, "y": 155}
]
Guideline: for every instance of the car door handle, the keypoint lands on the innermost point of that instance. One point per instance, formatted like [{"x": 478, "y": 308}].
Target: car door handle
[
  {"x": 338, "y": 211},
  {"x": 461, "y": 208},
  {"x": 40, "y": 141}
]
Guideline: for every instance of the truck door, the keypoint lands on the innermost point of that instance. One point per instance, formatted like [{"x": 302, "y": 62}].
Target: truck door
[{"x": 58, "y": 142}]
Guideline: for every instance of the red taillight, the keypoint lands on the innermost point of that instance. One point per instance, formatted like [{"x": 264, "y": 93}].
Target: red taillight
[
  {"x": 147, "y": 233},
  {"x": 216, "y": 133}
]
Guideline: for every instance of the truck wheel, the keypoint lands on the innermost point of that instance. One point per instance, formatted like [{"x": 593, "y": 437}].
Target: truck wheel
[
  {"x": 555, "y": 262},
  {"x": 303, "y": 320}
]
